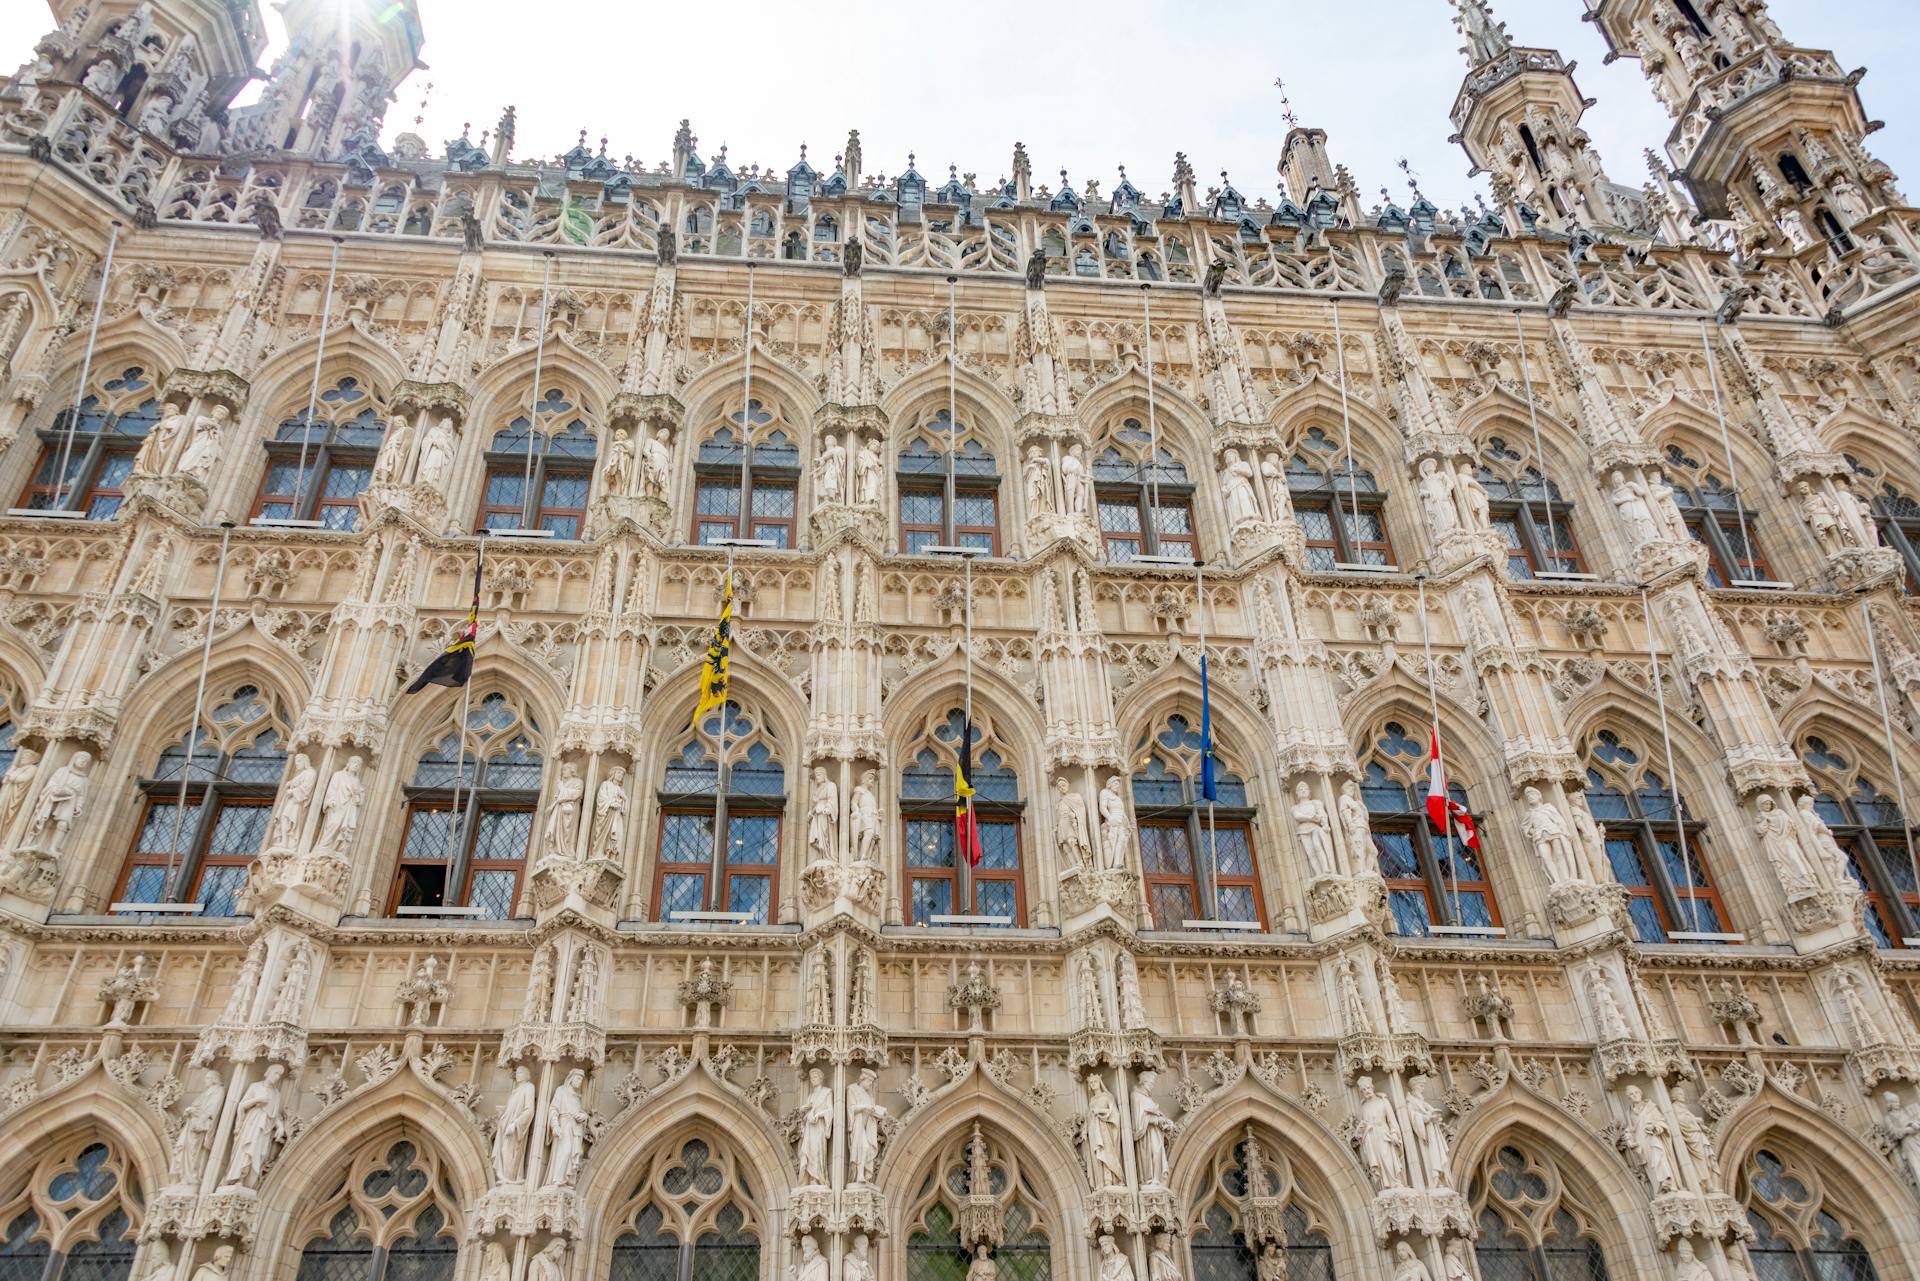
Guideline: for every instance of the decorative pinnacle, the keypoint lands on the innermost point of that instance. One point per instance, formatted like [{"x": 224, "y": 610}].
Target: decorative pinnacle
[{"x": 1286, "y": 104}]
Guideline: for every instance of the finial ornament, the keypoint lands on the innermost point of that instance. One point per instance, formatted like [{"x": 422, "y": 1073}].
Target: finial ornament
[{"x": 1486, "y": 39}]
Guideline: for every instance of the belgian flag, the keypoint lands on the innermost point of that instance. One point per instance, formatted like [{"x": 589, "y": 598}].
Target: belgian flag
[
  {"x": 966, "y": 829},
  {"x": 454, "y": 665},
  {"x": 713, "y": 672}
]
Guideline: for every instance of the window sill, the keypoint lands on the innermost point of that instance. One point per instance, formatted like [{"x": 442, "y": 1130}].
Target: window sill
[
  {"x": 1228, "y": 937},
  {"x": 186, "y": 920},
  {"x": 434, "y": 922},
  {"x": 1028, "y": 932},
  {"x": 682, "y": 929}
]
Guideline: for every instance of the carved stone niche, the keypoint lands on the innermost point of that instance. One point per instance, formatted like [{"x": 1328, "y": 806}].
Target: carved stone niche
[
  {"x": 233, "y": 1213},
  {"x": 1664, "y": 557},
  {"x": 551, "y": 1042},
  {"x": 643, "y": 511},
  {"x": 1714, "y": 1215},
  {"x": 440, "y": 400},
  {"x": 1575, "y": 903},
  {"x": 1362, "y": 1052},
  {"x": 1110, "y": 1212},
  {"x": 631, "y": 409},
  {"x": 32, "y": 874},
  {"x": 320, "y": 876},
  {"x": 812, "y": 1209},
  {"x": 1086, "y": 889},
  {"x": 1881, "y": 1062},
  {"x": 817, "y": 1041},
  {"x": 862, "y": 1210},
  {"x": 1420, "y": 1211},
  {"x": 219, "y": 386},
  {"x": 1092, "y": 1048},
  {"x": 1629, "y": 1056}
]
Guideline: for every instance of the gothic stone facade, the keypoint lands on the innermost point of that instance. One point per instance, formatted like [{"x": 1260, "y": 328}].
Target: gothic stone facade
[{"x": 269, "y": 1012}]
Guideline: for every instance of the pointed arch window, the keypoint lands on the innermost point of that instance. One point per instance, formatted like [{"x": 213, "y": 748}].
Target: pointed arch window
[
  {"x": 239, "y": 753},
  {"x": 1871, "y": 831},
  {"x": 1192, "y": 854},
  {"x": 969, "y": 1167},
  {"x": 752, "y": 451},
  {"x": 474, "y": 859},
  {"x": 1341, "y": 509},
  {"x": 340, "y": 443},
  {"x": 1531, "y": 1226},
  {"x": 692, "y": 1217},
  {"x": 949, "y": 487},
  {"x": 938, "y": 884},
  {"x": 1432, "y": 877},
  {"x": 746, "y": 795},
  {"x": 1799, "y": 1235},
  {"x": 392, "y": 1217},
  {"x": 1252, "y": 1173},
  {"x": 1635, "y": 809},
  {"x": 1146, "y": 503},
  {"x": 1526, "y": 509},
  {"x": 1717, "y": 519},
  {"x": 74, "y": 1217},
  {"x": 539, "y": 470},
  {"x": 1896, "y": 515},
  {"x": 89, "y": 474}
]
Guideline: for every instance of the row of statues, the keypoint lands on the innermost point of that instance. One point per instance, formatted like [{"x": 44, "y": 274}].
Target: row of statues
[
  {"x": 1238, "y": 493},
  {"x": 1072, "y": 830},
  {"x": 1395, "y": 1155},
  {"x": 863, "y": 818},
  {"x": 830, "y": 483},
  {"x": 647, "y": 461},
  {"x": 1452, "y": 501},
  {"x": 567, "y": 1122},
  {"x": 1153, "y": 1134}
]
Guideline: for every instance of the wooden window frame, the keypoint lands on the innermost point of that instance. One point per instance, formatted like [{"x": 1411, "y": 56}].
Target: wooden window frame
[
  {"x": 1533, "y": 552},
  {"x": 717, "y": 882},
  {"x": 1148, "y": 502},
  {"x": 323, "y": 460},
  {"x": 1202, "y": 877},
  {"x": 1648, "y": 836},
  {"x": 1347, "y": 550},
  {"x": 208, "y": 798},
  {"x": 533, "y": 512},
  {"x": 965, "y": 880},
  {"x": 1715, "y": 527},
  {"x": 475, "y": 801}
]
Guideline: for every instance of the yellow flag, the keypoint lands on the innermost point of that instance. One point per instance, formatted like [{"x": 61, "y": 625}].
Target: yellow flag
[{"x": 713, "y": 672}]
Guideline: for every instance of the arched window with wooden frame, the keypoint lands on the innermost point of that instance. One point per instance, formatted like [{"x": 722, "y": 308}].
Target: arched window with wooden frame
[
  {"x": 1146, "y": 504},
  {"x": 1800, "y": 1232},
  {"x": 949, "y": 485},
  {"x": 693, "y": 1216},
  {"x": 88, "y": 473},
  {"x": 339, "y": 445},
  {"x": 1433, "y": 877},
  {"x": 973, "y": 1165},
  {"x": 75, "y": 1216},
  {"x": 752, "y": 450},
  {"x": 1188, "y": 847},
  {"x": 392, "y": 1216},
  {"x": 1528, "y": 511},
  {"x": 239, "y": 754},
  {"x": 1532, "y": 1227},
  {"x": 1252, "y": 1173},
  {"x": 1895, "y": 513},
  {"x": 1872, "y": 832},
  {"x": 1338, "y": 505},
  {"x": 696, "y": 878},
  {"x": 1717, "y": 518},
  {"x": 539, "y": 470},
  {"x": 477, "y": 862},
  {"x": 938, "y": 887},
  {"x": 1635, "y": 809}
]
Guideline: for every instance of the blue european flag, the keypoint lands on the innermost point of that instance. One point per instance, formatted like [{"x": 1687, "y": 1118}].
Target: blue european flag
[{"x": 1207, "y": 789}]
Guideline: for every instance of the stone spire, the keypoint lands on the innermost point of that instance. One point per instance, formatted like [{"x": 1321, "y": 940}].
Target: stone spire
[{"x": 1486, "y": 39}]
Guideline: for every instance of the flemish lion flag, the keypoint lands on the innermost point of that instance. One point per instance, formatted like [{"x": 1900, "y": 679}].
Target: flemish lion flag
[
  {"x": 966, "y": 829},
  {"x": 454, "y": 665},
  {"x": 713, "y": 672}
]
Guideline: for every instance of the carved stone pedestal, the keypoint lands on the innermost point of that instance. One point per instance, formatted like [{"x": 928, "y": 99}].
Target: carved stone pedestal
[
  {"x": 1463, "y": 546},
  {"x": 1336, "y": 904},
  {"x": 1103, "y": 1047},
  {"x": 1712, "y": 1214},
  {"x": 812, "y": 1208},
  {"x": 1627, "y": 1056},
  {"x": 1881, "y": 1062},
  {"x": 1364, "y": 1052},
  {"x": 643, "y": 510},
  {"x": 1087, "y": 890},
  {"x": 1580, "y": 910},
  {"x": 1665, "y": 556},
  {"x": 518, "y": 1210},
  {"x": 274, "y": 1041},
  {"x": 31, "y": 875},
  {"x": 865, "y": 521},
  {"x": 583, "y": 884},
  {"x": 862, "y": 1043},
  {"x": 825, "y": 884},
  {"x": 551, "y": 1042},
  {"x": 230, "y": 1211},
  {"x": 862, "y": 1209},
  {"x": 178, "y": 492},
  {"x": 317, "y": 882},
  {"x": 1422, "y": 1211},
  {"x": 1854, "y": 568}
]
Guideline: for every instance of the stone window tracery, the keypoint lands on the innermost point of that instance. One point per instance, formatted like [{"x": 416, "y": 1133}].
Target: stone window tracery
[
  {"x": 74, "y": 1217},
  {"x": 741, "y": 875},
  {"x": 1251, "y": 1181},
  {"x": 976, "y": 1175},
  {"x": 938, "y": 882},
  {"x": 1896, "y": 515},
  {"x": 341, "y": 441},
  {"x": 1870, "y": 829},
  {"x": 754, "y": 447},
  {"x": 1799, "y": 1233},
  {"x": 238, "y": 756},
  {"x": 1532, "y": 1227},
  {"x": 1340, "y": 508},
  {"x": 693, "y": 1215},
  {"x": 1528, "y": 511},
  {"x": 949, "y": 484},
  {"x": 539, "y": 470},
  {"x": 392, "y": 1217},
  {"x": 89, "y": 473},
  {"x": 1432, "y": 877},
  {"x": 1717, "y": 518},
  {"x": 477, "y": 862},
  {"x": 1128, "y": 484},
  {"x": 1635, "y": 809},
  {"x": 1187, "y": 846}
]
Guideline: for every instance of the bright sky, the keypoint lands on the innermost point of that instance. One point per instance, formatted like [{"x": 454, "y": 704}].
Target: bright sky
[{"x": 1086, "y": 86}]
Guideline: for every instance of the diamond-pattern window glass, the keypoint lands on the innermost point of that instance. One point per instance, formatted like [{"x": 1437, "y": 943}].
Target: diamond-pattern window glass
[
  {"x": 503, "y": 834},
  {"x": 157, "y": 834},
  {"x": 682, "y": 892},
  {"x": 753, "y": 839},
  {"x": 751, "y": 895},
  {"x": 22, "y": 1258},
  {"x": 492, "y": 893},
  {"x": 107, "y": 1257},
  {"x": 341, "y": 1255},
  {"x": 687, "y": 838},
  {"x": 220, "y": 890}
]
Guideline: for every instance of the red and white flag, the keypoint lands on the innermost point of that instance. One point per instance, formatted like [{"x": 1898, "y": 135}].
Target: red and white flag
[{"x": 1442, "y": 809}]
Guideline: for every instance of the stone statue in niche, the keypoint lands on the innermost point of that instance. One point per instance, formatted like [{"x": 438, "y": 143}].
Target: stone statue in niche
[
  {"x": 197, "y": 1123},
  {"x": 1822, "y": 515},
  {"x": 1093, "y": 1010},
  {"x": 864, "y": 1115},
  {"x": 436, "y": 456},
  {"x": 1310, "y": 825},
  {"x": 1103, "y": 1137},
  {"x": 296, "y": 794},
  {"x": 1407, "y": 1265},
  {"x": 864, "y": 817},
  {"x": 1383, "y": 1148},
  {"x": 1133, "y": 1010},
  {"x": 829, "y": 471},
  {"x": 1236, "y": 485},
  {"x": 63, "y": 801},
  {"x": 551, "y": 1263},
  {"x": 1116, "y": 833},
  {"x": 1475, "y": 511},
  {"x": 1114, "y": 1266},
  {"x": 215, "y": 1268},
  {"x": 1630, "y": 499},
  {"x": 1687, "y": 1265},
  {"x": 494, "y": 1265},
  {"x": 1430, "y": 1133},
  {"x": 1650, "y": 1138},
  {"x": 258, "y": 1128},
  {"x": 1070, "y": 827},
  {"x": 609, "y": 832},
  {"x": 340, "y": 810},
  {"x": 1606, "y": 1007},
  {"x": 657, "y": 465},
  {"x": 1781, "y": 844},
  {"x": 1436, "y": 499},
  {"x": 1355, "y": 823},
  {"x": 511, "y": 1128},
  {"x": 159, "y": 442},
  {"x": 869, "y": 474},
  {"x": 392, "y": 460},
  {"x": 1457, "y": 1267},
  {"x": 1036, "y": 474},
  {"x": 1153, "y": 1131},
  {"x": 816, "y": 1130},
  {"x": 1903, "y": 1127},
  {"x": 1273, "y": 475},
  {"x": 1697, "y": 1139},
  {"x": 855, "y": 1265},
  {"x": 823, "y": 818},
  {"x": 983, "y": 1268},
  {"x": 203, "y": 446},
  {"x": 617, "y": 473},
  {"x": 1076, "y": 481},
  {"x": 1819, "y": 839},
  {"x": 566, "y": 1131},
  {"x": 1547, "y": 832},
  {"x": 813, "y": 1264},
  {"x": 563, "y": 813},
  {"x": 1160, "y": 1263}
]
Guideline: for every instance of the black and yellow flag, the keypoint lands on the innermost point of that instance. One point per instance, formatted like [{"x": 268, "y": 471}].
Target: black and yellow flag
[
  {"x": 713, "y": 672},
  {"x": 966, "y": 829},
  {"x": 454, "y": 665}
]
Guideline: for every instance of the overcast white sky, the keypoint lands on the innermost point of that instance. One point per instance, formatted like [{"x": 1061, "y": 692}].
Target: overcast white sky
[{"x": 1087, "y": 87}]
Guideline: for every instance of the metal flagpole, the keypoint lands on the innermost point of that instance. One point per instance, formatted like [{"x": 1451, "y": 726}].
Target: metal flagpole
[
  {"x": 1433, "y": 709},
  {"x": 1726, "y": 448},
  {"x": 86, "y": 370},
  {"x": 1893, "y": 752},
  {"x": 953, "y": 427},
  {"x": 966, "y": 731},
  {"x": 723, "y": 774},
  {"x": 1212, "y": 765},
  {"x": 199, "y": 701},
  {"x": 743, "y": 519},
  {"x": 1346, "y": 419},
  {"x": 1539, "y": 453},
  {"x": 466, "y": 709},
  {"x": 533, "y": 407},
  {"x": 313, "y": 389},
  {"x": 1150, "y": 527},
  {"x": 1673, "y": 777}
]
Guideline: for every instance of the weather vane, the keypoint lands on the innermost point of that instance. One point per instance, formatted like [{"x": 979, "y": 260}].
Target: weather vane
[{"x": 1286, "y": 105}]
